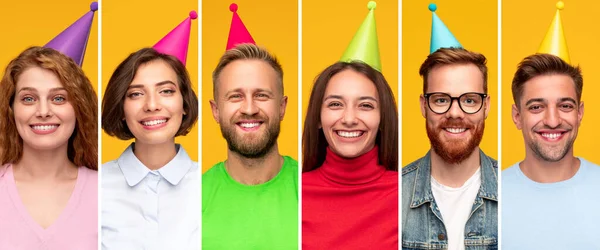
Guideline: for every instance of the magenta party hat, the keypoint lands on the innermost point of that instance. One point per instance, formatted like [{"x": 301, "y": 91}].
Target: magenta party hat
[
  {"x": 73, "y": 40},
  {"x": 176, "y": 42},
  {"x": 238, "y": 33}
]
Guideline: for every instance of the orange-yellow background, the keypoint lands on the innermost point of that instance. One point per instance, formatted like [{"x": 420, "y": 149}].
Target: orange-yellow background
[
  {"x": 524, "y": 25},
  {"x": 128, "y": 26},
  {"x": 328, "y": 28},
  {"x": 474, "y": 24},
  {"x": 35, "y": 23},
  {"x": 274, "y": 25}
]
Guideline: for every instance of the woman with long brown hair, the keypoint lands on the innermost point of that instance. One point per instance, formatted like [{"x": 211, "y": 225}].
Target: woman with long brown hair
[
  {"x": 48, "y": 152},
  {"x": 350, "y": 161}
]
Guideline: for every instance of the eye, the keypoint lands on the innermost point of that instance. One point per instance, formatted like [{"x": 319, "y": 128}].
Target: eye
[
  {"x": 367, "y": 105},
  {"x": 59, "y": 99},
  {"x": 334, "y": 105},
  {"x": 134, "y": 94},
  {"x": 535, "y": 108},
  {"x": 234, "y": 97},
  {"x": 167, "y": 91},
  {"x": 566, "y": 107},
  {"x": 262, "y": 96},
  {"x": 28, "y": 99}
]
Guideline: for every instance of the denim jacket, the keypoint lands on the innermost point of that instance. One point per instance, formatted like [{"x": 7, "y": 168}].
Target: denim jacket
[{"x": 422, "y": 224}]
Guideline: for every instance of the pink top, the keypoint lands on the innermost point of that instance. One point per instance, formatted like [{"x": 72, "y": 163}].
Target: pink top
[{"x": 75, "y": 228}]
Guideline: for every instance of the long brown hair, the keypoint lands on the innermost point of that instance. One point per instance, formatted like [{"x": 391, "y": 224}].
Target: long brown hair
[
  {"x": 313, "y": 140},
  {"x": 83, "y": 144}
]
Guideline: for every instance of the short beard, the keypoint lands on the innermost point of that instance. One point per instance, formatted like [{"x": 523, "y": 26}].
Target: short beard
[
  {"x": 247, "y": 148},
  {"x": 547, "y": 155},
  {"x": 455, "y": 152}
]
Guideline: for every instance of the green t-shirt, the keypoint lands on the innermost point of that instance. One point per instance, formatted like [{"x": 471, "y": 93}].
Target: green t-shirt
[{"x": 237, "y": 216}]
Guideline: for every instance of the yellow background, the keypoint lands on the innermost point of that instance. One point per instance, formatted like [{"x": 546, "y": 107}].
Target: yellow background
[
  {"x": 128, "y": 26},
  {"x": 35, "y": 23},
  {"x": 474, "y": 24},
  {"x": 524, "y": 25},
  {"x": 274, "y": 25},
  {"x": 328, "y": 28}
]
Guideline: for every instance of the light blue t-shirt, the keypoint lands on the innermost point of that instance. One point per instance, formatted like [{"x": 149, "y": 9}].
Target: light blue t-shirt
[{"x": 561, "y": 215}]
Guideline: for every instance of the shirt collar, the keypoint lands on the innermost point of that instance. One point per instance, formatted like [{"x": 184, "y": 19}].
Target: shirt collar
[
  {"x": 135, "y": 171},
  {"x": 422, "y": 187}
]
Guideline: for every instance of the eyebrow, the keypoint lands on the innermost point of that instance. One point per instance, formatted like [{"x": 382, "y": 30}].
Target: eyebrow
[
  {"x": 567, "y": 99},
  {"x": 158, "y": 84},
  {"x": 256, "y": 90},
  {"x": 35, "y": 90},
  {"x": 360, "y": 98}
]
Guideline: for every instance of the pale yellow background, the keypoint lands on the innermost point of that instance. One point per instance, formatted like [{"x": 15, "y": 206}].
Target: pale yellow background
[
  {"x": 274, "y": 25},
  {"x": 328, "y": 28},
  {"x": 35, "y": 23},
  {"x": 128, "y": 26},
  {"x": 524, "y": 25},
  {"x": 474, "y": 24}
]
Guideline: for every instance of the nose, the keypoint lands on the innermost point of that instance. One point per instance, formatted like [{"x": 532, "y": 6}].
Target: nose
[
  {"x": 249, "y": 107},
  {"x": 349, "y": 117},
  {"x": 152, "y": 103},
  {"x": 552, "y": 117},
  {"x": 455, "y": 111},
  {"x": 44, "y": 109}
]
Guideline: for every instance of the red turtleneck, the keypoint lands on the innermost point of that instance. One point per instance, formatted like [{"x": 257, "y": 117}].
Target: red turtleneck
[{"x": 350, "y": 204}]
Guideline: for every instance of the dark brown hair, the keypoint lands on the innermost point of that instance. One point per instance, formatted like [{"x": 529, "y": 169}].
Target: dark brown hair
[
  {"x": 452, "y": 56},
  {"x": 115, "y": 93},
  {"x": 313, "y": 140},
  {"x": 247, "y": 51},
  {"x": 83, "y": 144},
  {"x": 544, "y": 64}
]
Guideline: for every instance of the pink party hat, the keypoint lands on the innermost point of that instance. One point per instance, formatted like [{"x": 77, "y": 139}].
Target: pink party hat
[
  {"x": 73, "y": 40},
  {"x": 176, "y": 42},
  {"x": 238, "y": 33}
]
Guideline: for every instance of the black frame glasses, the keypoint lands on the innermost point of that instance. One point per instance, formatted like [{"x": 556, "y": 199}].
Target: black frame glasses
[{"x": 458, "y": 100}]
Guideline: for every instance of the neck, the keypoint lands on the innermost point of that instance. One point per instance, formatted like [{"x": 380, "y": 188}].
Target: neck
[
  {"x": 454, "y": 175},
  {"x": 155, "y": 156},
  {"x": 542, "y": 171},
  {"x": 44, "y": 164},
  {"x": 254, "y": 171}
]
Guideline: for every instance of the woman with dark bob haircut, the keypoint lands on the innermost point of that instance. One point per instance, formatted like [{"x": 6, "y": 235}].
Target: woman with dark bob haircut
[
  {"x": 151, "y": 192},
  {"x": 350, "y": 161},
  {"x": 48, "y": 152}
]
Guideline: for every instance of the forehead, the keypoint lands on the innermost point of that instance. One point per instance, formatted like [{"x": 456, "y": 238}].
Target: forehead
[
  {"x": 153, "y": 72},
  {"x": 38, "y": 78},
  {"x": 349, "y": 83},
  {"x": 247, "y": 75},
  {"x": 455, "y": 79},
  {"x": 550, "y": 87}
]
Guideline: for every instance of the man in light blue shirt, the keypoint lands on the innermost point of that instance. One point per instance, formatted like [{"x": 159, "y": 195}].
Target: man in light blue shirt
[{"x": 549, "y": 200}]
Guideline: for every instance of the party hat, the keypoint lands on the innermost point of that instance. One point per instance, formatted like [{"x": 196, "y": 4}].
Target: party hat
[
  {"x": 176, "y": 42},
  {"x": 364, "y": 46},
  {"x": 441, "y": 37},
  {"x": 238, "y": 33},
  {"x": 73, "y": 40},
  {"x": 555, "y": 43}
]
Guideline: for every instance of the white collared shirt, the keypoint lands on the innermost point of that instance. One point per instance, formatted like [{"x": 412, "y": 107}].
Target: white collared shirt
[{"x": 150, "y": 209}]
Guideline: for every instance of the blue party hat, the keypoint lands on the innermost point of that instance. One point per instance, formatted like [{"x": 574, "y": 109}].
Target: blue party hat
[{"x": 441, "y": 37}]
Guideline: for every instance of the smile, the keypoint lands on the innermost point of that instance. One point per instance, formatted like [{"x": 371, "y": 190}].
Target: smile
[
  {"x": 551, "y": 136},
  {"x": 153, "y": 122},
  {"x": 249, "y": 125},
  {"x": 349, "y": 134},
  {"x": 44, "y": 128},
  {"x": 455, "y": 130}
]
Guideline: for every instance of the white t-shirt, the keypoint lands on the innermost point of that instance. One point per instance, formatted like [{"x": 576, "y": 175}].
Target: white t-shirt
[{"x": 455, "y": 204}]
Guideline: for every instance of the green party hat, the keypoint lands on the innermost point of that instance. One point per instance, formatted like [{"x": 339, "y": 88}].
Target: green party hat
[{"x": 364, "y": 46}]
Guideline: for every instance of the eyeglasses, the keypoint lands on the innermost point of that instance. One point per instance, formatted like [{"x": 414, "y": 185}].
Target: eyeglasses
[{"x": 469, "y": 103}]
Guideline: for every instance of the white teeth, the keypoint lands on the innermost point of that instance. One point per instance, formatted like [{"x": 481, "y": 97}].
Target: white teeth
[
  {"x": 455, "y": 130},
  {"x": 249, "y": 125},
  {"x": 349, "y": 134},
  {"x": 154, "y": 122},
  {"x": 551, "y": 135},
  {"x": 44, "y": 127}
]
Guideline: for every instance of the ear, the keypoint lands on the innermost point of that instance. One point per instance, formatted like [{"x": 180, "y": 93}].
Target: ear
[
  {"x": 282, "y": 107},
  {"x": 423, "y": 103},
  {"x": 580, "y": 112},
  {"x": 215, "y": 110},
  {"x": 516, "y": 116},
  {"x": 486, "y": 107}
]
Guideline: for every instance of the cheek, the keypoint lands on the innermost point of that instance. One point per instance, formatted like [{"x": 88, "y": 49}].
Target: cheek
[
  {"x": 372, "y": 119},
  {"x": 130, "y": 108},
  {"x": 328, "y": 118}
]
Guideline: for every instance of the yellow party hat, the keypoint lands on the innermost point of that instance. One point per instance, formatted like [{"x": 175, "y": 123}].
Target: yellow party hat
[{"x": 554, "y": 43}]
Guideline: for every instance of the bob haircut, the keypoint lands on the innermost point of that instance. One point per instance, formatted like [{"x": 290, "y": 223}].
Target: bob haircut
[
  {"x": 114, "y": 96},
  {"x": 313, "y": 140},
  {"x": 83, "y": 143}
]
